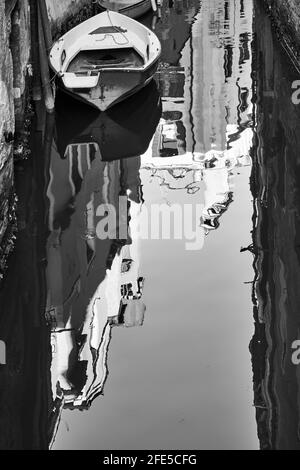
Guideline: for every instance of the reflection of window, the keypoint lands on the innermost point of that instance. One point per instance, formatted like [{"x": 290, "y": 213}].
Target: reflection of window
[
  {"x": 172, "y": 84},
  {"x": 228, "y": 60},
  {"x": 172, "y": 115},
  {"x": 127, "y": 290},
  {"x": 172, "y": 138},
  {"x": 244, "y": 48},
  {"x": 168, "y": 146},
  {"x": 126, "y": 265}
]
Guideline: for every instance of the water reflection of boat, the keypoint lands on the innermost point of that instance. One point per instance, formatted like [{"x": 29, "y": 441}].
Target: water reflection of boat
[
  {"x": 94, "y": 282},
  {"x": 105, "y": 59},
  {"x": 124, "y": 131},
  {"x": 132, "y": 8}
]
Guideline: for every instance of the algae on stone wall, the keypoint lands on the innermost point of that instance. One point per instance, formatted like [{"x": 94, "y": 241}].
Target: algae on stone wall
[{"x": 14, "y": 58}]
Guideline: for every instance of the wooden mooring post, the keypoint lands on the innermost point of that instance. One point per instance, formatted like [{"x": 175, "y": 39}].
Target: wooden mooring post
[
  {"x": 36, "y": 86},
  {"x": 43, "y": 55},
  {"x": 41, "y": 43},
  {"x": 46, "y": 24}
]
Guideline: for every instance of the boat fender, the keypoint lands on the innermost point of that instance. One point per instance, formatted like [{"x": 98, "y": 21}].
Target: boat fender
[
  {"x": 63, "y": 57},
  {"x": 153, "y": 3}
]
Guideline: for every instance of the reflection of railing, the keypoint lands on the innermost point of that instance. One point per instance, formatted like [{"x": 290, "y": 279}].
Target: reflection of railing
[{"x": 213, "y": 170}]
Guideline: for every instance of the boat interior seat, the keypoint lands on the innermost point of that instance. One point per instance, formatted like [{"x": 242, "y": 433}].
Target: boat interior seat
[
  {"x": 87, "y": 62},
  {"x": 109, "y": 30}
]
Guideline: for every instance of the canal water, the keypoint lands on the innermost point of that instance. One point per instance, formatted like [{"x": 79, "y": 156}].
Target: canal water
[{"x": 175, "y": 331}]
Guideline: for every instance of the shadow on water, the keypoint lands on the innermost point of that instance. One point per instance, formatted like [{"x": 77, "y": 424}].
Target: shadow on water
[
  {"x": 122, "y": 132},
  {"x": 276, "y": 239},
  {"x": 25, "y": 398}
]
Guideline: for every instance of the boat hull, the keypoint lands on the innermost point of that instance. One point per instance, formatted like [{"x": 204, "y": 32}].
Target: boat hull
[
  {"x": 113, "y": 86},
  {"x": 123, "y": 132},
  {"x": 105, "y": 59},
  {"x": 133, "y": 11}
]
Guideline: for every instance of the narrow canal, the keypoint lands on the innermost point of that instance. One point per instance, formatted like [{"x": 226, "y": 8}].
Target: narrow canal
[{"x": 180, "y": 335}]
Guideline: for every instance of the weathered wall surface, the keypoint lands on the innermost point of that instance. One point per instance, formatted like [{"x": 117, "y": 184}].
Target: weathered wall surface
[
  {"x": 6, "y": 77},
  {"x": 14, "y": 60},
  {"x": 275, "y": 185},
  {"x": 14, "y": 56},
  {"x": 20, "y": 49},
  {"x": 61, "y": 11},
  {"x": 286, "y": 15}
]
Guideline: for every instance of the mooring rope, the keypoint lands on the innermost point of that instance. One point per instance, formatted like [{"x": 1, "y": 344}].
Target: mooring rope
[{"x": 118, "y": 30}]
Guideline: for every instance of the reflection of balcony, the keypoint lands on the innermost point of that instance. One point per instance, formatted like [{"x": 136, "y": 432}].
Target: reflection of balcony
[
  {"x": 192, "y": 171},
  {"x": 79, "y": 355},
  {"x": 79, "y": 365},
  {"x": 238, "y": 153}
]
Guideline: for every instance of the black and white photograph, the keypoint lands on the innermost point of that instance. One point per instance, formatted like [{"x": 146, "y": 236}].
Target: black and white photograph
[{"x": 149, "y": 228}]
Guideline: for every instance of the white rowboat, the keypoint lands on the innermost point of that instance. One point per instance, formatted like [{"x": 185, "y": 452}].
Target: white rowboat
[{"x": 105, "y": 59}]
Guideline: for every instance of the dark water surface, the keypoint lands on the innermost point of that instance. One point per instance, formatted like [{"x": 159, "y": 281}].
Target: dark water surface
[{"x": 152, "y": 343}]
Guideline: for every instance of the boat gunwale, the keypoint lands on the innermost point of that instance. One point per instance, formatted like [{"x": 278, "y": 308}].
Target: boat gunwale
[
  {"x": 146, "y": 71},
  {"x": 118, "y": 69},
  {"x": 127, "y": 18},
  {"x": 59, "y": 44}
]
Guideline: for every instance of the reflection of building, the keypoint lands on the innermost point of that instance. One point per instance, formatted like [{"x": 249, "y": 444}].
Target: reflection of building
[
  {"x": 276, "y": 241},
  {"x": 206, "y": 87},
  {"x": 174, "y": 28},
  {"x": 173, "y": 77},
  {"x": 221, "y": 81},
  {"x": 92, "y": 283},
  {"x": 205, "y": 130},
  {"x": 93, "y": 273},
  {"x": 212, "y": 170}
]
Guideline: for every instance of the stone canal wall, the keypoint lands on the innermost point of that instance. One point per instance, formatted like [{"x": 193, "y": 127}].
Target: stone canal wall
[
  {"x": 275, "y": 185},
  {"x": 64, "y": 12},
  {"x": 14, "y": 57},
  {"x": 286, "y": 16},
  {"x": 14, "y": 67}
]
